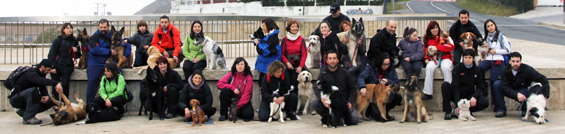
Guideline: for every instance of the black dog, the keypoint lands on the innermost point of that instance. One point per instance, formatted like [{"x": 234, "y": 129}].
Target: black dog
[
  {"x": 154, "y": 94},
  {"x": 232, "y": 113},
  {"x": 338, "y": 111}
]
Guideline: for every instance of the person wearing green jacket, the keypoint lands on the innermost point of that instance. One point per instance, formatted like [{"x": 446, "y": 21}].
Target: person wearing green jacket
[
  {"x": 195, "y": 58},
  {"x": 111, "y": 89}
]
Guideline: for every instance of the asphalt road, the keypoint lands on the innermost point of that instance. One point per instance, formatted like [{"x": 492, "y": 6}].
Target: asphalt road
[{"x": 511, "y": 27}]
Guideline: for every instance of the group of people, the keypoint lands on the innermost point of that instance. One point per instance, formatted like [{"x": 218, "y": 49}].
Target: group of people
[{"x": 279, "y": 62}]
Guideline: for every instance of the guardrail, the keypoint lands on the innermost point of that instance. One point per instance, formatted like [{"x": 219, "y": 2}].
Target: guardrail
[{"x": 26, "y": 40}]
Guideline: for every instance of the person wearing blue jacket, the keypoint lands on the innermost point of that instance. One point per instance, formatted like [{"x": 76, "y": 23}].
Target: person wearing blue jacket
[
  {"x": 268, "y": 48},
  {"x": 100, "y": 51}
]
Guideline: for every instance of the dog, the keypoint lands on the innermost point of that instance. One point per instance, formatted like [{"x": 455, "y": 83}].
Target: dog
[
  {"x": 364, "y": 101},
  {"x": 119, "y": 47},
  {"x": 276, "y": 109},
  {"x": 143, "y": 97},
  {"x": 314, "y": 51},
  {"x": 83, "y": 39},
  {"x": 468, "y": 38},
  {"x": 536, "y": 104},
  {"x": 154, "y": 93},
  {"x": 464, "y": 112},
  {"x": 356, "y": 44},
  {"x": 197, "y": 113},
  {"x": 338, "y": 110},
  {"x": 68, "y": 112},
  {"x": 232, "y": 113},
  {"x": 214, "y": 55},
  {"x": 305, "y": 92},
  {"x": 154, "y": 54},
  {"x": 382, "y": 97},
  {"x": 413, "y": 98}
]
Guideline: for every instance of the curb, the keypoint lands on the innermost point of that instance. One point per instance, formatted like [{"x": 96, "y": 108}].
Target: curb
[{"x": 552, "y": 25}]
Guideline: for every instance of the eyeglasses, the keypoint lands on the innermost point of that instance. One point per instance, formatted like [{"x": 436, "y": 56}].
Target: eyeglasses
[{"x": 386, "y": 64}]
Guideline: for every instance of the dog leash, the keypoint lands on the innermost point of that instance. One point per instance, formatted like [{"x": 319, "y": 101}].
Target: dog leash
[{"x": 520, "y": 113}]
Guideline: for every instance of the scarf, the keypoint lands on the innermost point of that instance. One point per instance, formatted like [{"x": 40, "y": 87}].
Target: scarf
[
  {"x": 195, "y": 87},
  {"x": 292, "y": 37}
]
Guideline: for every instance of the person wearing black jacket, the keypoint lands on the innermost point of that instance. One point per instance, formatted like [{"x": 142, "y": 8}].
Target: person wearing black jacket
[
  {"x": 467, "y": 83},
  {"x": 169, "y": 81},
  {"x": 63, "y": 52},
  {"x": 341, "y": 79},
  {"x": 461, "y": 26},
  {"x": 276, "y": 88},
  {"x": 196, "y": 88},
  {"x": 384, "y": 41},
  {"x": 330, "y": 42},
  {"x": 514, "y": 83},
  {"x": 30, "y": 92},
  {"x": 334, "y": 20},
  {"x": 142, "y": 41}
]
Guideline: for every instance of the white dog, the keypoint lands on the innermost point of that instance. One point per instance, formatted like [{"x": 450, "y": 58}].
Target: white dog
[
  {"x": 536, "y": 104},
  {"x": 464, "y": 113},
  {"x": 214, "y": 55},
  {"x": 276, "y": 109},
  {"x": 305, "y": 92},
  {"x": 314, "y": 51}
]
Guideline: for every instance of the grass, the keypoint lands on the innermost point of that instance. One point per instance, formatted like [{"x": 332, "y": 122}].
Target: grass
[
  {"x": 487, "y": 7},
  {"x": 396, "y": 5}
]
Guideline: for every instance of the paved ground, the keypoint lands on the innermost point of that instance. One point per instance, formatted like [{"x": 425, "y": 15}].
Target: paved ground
[
  {"x": 131, "y": 123},
  {"x": 553, "y": 16}
]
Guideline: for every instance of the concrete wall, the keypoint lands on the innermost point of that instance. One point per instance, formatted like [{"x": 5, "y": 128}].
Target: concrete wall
[{"x": 556, "y": 78}]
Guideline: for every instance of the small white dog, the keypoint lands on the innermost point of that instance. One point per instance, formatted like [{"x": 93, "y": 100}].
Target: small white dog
[
  {"x": 536, "y": 104},
  {"x": 214, "y": 55},
  {"x": 314, "y": 51},
  {"x": 276, "y": 109},
  {"x": 305, "y": 92},
  {"x": 464, "y": 112}
]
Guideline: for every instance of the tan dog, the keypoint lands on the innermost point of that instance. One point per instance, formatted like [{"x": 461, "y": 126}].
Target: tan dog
[
  {"x": 154, "y": 54},
  {"x": 413, "y": 98},
  {"x": 305, "y": 91},
  {"x": 364, "y": 101},
  {"x": 382, "y": 97},
  {"x": 116, "y": 41},
  {"x": 69, "y": 112},
  {"x": 197, "y": 113},
  {"x": 468, "y": 38}
]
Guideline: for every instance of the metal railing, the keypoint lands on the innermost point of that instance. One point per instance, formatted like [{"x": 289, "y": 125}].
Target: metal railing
[{"x": 26, "y": 40}]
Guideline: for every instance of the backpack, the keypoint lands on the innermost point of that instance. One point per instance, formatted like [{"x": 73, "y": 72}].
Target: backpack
[
  {"x": 15, "y": 75},
  {"x": 506, "y": 56}
]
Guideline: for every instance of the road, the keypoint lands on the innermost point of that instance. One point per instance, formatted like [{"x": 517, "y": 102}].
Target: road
[{"x": 511, "y": 27}]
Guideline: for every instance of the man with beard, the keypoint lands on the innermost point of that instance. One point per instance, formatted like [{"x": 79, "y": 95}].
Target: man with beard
[{"x": 100, "y": 50}]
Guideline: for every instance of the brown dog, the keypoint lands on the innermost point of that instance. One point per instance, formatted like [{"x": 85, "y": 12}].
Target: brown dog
[
  {"x": 83, "y": 39},
  {"x": 364, "y": 101},
  {"x": 382, "y": 97},
  {"x": 197, "y": 113},
  {"x": 116, "y": 41},
  {"x": 154, "y": 54},
  {"x": 70, "y": 112},
  {"x": 468, "y": 38},
  {"x": 413, "y": 98}
]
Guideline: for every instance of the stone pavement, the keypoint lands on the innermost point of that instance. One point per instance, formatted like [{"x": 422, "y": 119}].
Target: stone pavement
[
  {"x": 548, "y": 16},
  {"x": 131, "y": 123}
]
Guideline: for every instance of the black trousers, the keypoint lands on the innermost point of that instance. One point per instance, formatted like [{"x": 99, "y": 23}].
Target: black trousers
[
  {"x": 188, "y": 67},
  {"x": 319, "y": 107},
  {"x": 29, "y": 101},
  {"x": 140, "y": 58},
  {"x": 290, "y": 101},
  {"x": 171, "y": 99},
  {"x": 448, "y": 97},
  {"x": 117, "y": 102},
  {"x": 245, "y": 112},
  {"x": 64, "y": 76}
]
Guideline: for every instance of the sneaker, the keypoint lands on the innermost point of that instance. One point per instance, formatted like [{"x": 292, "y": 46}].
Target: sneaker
[
  {"x": 500, "y": 114},
  {"x": 20, "y": 112},
  {"x": 292, "y": 116},
  {"x": 447, "y": 116},
  {"x": 32, "y": 121},
  {"x": 427, "y": 97},
  {"x": 222, "y": 118},
  {"x": 168, "y": 116}
]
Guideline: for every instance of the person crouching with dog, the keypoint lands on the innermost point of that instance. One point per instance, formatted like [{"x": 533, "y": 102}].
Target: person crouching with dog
[
  {"x": 111, "y": 94},
  {"x": 467, "y": 83},
  {"x": 514, "y": 83},
  {"x": 275, "y": 87},
  {"x": 294, "y": 52},
  {"x": 30, "y": 92},
  {"x": 380, "y": 71},
  {"x": 341, "y": 78},
  {"x": 196, "y": 88},
  {"x": 238, "y": 83},
  {"x": 166, "y": 83}
]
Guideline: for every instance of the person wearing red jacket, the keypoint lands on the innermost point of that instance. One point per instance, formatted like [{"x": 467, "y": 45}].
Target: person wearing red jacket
[
  {"x": 445, "y": 61},
  {"x": 238, "y": 83},
  {"x": 294, "y": 52},
  {"x": 167, "y": 39}
]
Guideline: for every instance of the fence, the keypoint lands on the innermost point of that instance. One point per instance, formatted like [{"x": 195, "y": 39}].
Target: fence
[{"x": 26, "y": 40}]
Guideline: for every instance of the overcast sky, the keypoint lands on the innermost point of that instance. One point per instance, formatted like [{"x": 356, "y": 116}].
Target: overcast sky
[{"x": 17, "y": 8}]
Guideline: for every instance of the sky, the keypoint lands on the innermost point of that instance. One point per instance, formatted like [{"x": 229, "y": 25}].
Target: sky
[{"x": 20, "y": 8}]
